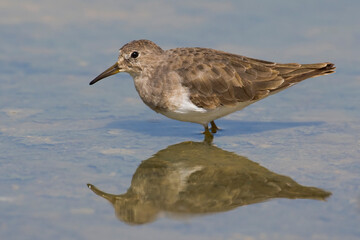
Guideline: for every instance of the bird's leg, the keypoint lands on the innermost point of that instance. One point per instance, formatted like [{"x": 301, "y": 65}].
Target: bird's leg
[
  {"x": 208, "y": 137},
  {"x": 206, "y": 128},
  {"x": 214, "y": 128}
]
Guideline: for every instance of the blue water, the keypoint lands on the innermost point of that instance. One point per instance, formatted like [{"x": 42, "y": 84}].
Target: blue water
[{"x": 58, "y": 134}]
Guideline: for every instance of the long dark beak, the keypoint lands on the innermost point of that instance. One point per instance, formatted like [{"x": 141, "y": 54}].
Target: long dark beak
[{"x": 114, "y": 69}]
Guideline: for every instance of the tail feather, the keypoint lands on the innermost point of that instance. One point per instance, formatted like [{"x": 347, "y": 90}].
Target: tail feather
[{"x": 294, "y": 74}]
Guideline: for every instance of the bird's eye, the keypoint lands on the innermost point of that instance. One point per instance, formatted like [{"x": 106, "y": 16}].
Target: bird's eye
[{"x": 134, "y": 54}]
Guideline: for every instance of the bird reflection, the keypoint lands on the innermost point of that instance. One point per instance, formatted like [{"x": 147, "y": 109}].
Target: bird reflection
[{"x": 192, "y": 178}]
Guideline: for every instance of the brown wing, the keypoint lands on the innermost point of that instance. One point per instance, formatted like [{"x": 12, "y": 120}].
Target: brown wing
[{"x": 217, "y": 78}]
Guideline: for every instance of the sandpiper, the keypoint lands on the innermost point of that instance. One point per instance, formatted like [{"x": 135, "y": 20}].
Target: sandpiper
[{"x": 200, "y": 85}]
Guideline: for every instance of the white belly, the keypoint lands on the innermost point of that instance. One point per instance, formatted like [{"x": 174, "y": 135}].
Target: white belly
[{"x": 202, "y": 116}]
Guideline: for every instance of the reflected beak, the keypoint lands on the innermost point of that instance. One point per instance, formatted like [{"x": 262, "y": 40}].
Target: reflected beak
[
  {"x": 114, "y": 69},
  {"x": 110, "y": 197}
]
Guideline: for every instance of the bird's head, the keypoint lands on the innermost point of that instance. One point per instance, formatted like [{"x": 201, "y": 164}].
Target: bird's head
[{"x": 134, "y": 58}]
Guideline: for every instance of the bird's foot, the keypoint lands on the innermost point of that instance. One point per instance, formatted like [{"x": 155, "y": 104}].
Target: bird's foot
[{"x": 214, "y": 128}]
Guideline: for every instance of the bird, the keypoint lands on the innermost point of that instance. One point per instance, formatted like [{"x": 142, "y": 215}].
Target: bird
[{"x": 201, "y": 85}]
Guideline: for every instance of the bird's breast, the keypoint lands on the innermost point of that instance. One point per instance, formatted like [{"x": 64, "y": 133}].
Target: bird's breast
[{"x": 164, "y": 92}]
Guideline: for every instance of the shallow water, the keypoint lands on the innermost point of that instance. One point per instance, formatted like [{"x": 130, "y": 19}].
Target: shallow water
[{"x": 286, "y": 167}]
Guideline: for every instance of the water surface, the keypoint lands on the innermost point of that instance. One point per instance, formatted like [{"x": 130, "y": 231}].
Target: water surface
[{"x": 286, "y": 167}]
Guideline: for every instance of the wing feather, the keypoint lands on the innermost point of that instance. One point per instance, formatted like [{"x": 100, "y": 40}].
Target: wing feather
[{"x": 216, "y": 78}]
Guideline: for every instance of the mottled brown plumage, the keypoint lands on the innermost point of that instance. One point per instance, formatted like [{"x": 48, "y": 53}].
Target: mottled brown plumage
[
  {"x": 216, "y": 78},
  {"x": 201, "y": 85}
]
